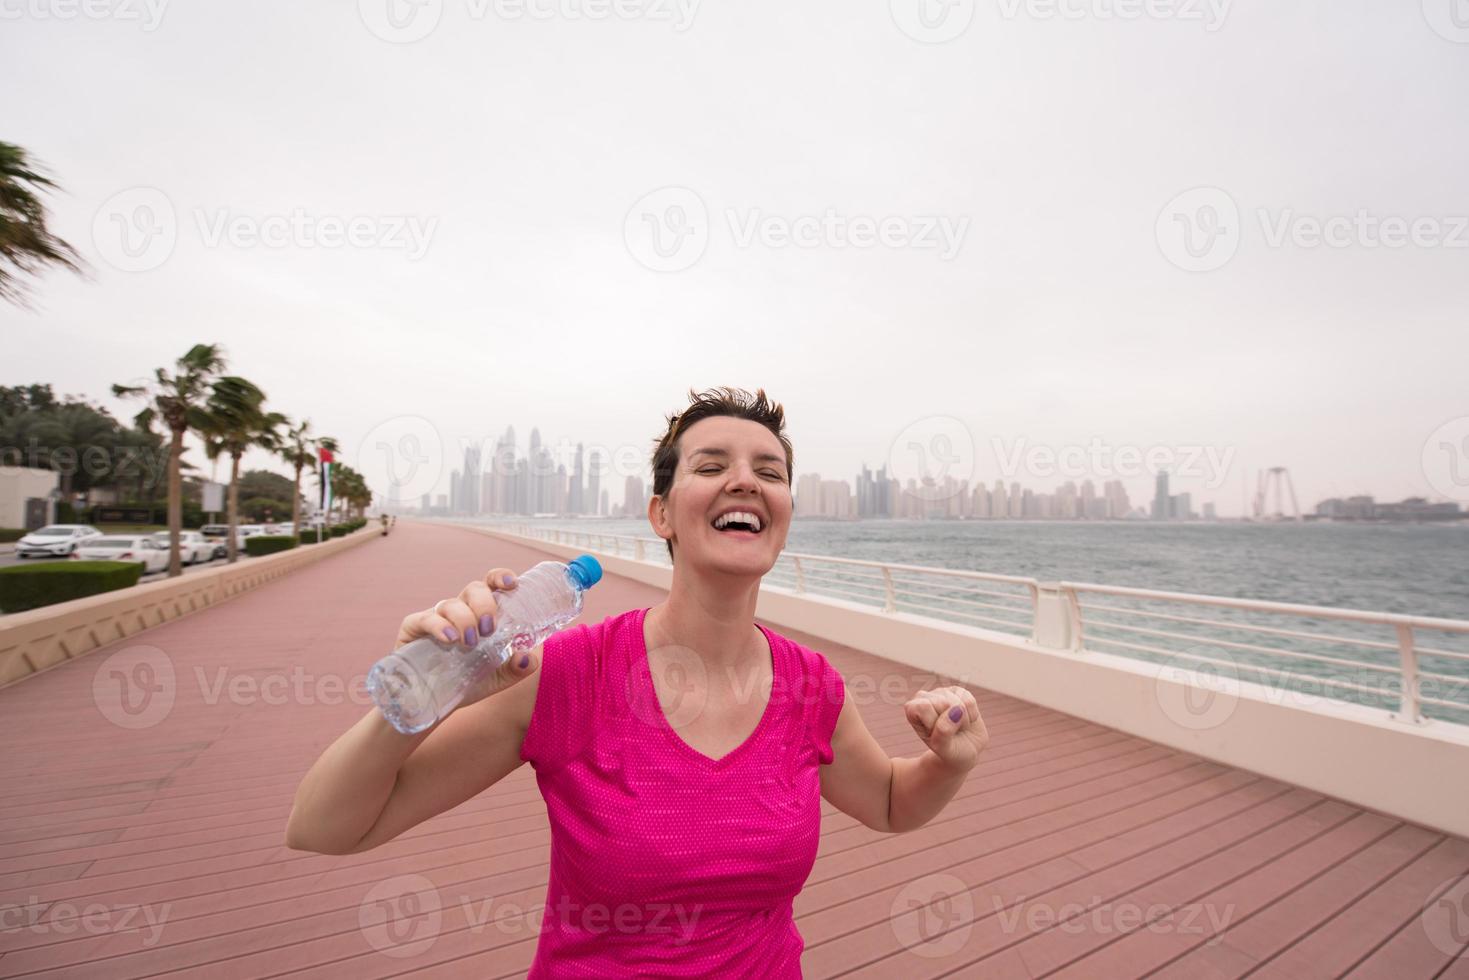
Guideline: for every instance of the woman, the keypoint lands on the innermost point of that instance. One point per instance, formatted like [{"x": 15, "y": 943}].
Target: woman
[{"x": 683, "y": 750}]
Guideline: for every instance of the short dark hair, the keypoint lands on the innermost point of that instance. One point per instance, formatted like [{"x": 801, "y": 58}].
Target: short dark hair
[{"x": 711, "y": 403}]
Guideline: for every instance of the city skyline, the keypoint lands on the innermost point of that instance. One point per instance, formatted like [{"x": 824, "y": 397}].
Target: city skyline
[{"x": 570, "y": 482}]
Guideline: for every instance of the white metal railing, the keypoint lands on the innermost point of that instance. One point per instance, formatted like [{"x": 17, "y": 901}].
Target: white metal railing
[
  {"x": 1380, "y": 661},
  {"x": 1374, "y": 658}
]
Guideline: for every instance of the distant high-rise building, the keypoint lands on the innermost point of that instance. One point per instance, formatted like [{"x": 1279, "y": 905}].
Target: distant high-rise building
[
  {"x": 594, "y": 481},
  {"x": 808, "y": 495},
  {"x": 602, "y": 504},
  {"x": 469, "y": 485},
  {"x": 1180, "y": 507},
  {"x": 1161, "y": 503},
  {"x": 634, "y": 499},
  {"x": 574, "y": 501}
]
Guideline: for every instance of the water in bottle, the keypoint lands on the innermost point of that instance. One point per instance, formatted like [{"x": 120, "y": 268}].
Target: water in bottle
[{"x": 422, "y": 681}]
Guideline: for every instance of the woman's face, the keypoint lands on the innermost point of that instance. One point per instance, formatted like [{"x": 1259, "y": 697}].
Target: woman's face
[{"x": 726, "y": 464}]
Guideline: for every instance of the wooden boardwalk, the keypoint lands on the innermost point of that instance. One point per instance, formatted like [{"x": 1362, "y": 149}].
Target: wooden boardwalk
[{"x": 149, "y": 784}]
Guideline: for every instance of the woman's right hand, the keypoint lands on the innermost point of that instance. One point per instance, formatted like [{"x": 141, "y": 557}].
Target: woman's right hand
[{"x": 464, "y": 620}]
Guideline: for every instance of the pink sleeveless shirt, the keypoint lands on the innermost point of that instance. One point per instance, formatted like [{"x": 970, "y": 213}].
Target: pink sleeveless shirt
[{"x": 665, "y": 862}]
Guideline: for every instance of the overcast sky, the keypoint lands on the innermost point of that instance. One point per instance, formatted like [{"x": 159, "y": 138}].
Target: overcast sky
[{"x": 946, "y": 225}]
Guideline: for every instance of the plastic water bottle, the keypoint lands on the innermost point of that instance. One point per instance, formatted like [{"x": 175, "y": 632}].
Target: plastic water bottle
[{"x": 421, "y": 682}]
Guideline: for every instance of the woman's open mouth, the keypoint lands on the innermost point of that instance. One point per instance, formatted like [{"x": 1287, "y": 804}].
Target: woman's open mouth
[{"x": 739, "y": 523}]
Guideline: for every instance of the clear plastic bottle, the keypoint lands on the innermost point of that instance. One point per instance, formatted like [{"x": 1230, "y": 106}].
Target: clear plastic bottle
[{"x": 422, "y": 681}]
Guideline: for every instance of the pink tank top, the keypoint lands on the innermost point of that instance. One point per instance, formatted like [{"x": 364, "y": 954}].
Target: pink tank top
[{"x": 665, "y": 862}]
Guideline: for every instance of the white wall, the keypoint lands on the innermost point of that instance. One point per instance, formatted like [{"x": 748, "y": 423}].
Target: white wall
[{"x": 16, "y": 484}]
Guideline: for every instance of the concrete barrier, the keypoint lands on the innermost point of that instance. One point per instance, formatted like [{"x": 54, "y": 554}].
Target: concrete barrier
[
  {"x": 38, "y": 639},
  {"x": 1354, "y": 753}
]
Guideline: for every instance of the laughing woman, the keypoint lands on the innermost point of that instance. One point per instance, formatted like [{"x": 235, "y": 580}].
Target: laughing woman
[{"x": 683, "y": 750}]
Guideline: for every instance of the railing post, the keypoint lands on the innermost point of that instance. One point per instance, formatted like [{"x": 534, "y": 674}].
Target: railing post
[
  {"x": 638, "y": 549},
  {"x": 800, "y": 575},
  {"x": 890, "y": 601},
  {"x": 1408, "y": 707},
  {"x": 1057, "y": 617}
]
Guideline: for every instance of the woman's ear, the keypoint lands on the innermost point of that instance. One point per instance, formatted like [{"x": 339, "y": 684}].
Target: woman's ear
[{"x": 658, "y": 517}]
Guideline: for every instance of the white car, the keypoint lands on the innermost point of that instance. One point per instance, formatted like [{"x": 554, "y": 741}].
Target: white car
[
  {"x": 248, "y": 531},
  {"x": 193, "y": 546},
  {"x": 54, "y": 540},
  {"x": 131, "y": 547}
]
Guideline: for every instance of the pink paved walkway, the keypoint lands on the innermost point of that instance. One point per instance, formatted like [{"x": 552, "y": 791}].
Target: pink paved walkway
[{"x": 141, "y": 835}]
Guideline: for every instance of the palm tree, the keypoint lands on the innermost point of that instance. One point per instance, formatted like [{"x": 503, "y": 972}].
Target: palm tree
[
  {"x": 26, "y": 244},
  {"x": 298, "y": 449},
  {"x": 350, "y": 488},
  {"x": 235, "y": 420},
  {"x": 178, "y": 399}
]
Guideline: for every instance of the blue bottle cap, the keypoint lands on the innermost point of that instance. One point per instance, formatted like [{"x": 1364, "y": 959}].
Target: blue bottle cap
[{"x": 588, "y": 570}]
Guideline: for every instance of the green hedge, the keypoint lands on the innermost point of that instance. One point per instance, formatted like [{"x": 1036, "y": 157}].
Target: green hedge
[
  {"x": 268, "y": 544},
  {"x": 309, "y": 537},
  {"x": 8, "y": 534},
  {"x": 340, "y": 530},
  {"x": 31, "y": 586}
]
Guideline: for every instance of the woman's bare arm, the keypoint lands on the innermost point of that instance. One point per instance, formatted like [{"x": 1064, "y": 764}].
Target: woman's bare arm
[
  {"x": 374, "y": 782},
  {"x": 383, "y": 782},
  {"x": 898, "y": 795}
]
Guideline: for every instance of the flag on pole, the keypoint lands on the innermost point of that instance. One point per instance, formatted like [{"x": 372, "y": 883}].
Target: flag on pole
[{"x": 326, "y": 457}]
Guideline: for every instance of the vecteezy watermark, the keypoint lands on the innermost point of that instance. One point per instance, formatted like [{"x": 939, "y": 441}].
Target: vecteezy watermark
[
  {"x": 933, "y": 916},
  {"x": 1448, "y": 18},
  {"x": 937, "y": 21},
  {"x": 1104, "y": 461},
  {"x": 135, "y": 687},
  {"x": 1198, "y": 230},
  {"x": 41, "y": 917},
  {"x": 137, "y": 230},
  {"x": 407, "y": 21},
  {"x": 1201, "y": 229},
  {"x": 1199, "y": 693},
  {"x": 667, "y": 230},
  {"x": 147, "y": 14},
  {"x": 403, "y": 916},
  {"x": 1100, "y": 917},
  {"x": 931, "y": 456},
  {"x": 1208, "y": 13},
  {"x": 1445, "y": 917},
  {"x": 97, "y": 462},
  {"x": 1446, "y": 459},
  {"x": 932, "y": 21},
  {"x": 401, "y": 458}
]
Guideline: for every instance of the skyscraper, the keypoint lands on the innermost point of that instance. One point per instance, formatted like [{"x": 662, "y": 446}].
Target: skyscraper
[
  {"x": 1160, "y": 497},
  {"x": 574, "y": 494}
]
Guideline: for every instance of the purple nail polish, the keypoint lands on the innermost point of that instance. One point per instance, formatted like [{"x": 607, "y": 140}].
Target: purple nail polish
[
  {"x": 451, "y": 634},
  {"x": 525, "y": 660},
  {"x": 486, "y": 625},
  {"x": 470, "y": 637},
  {"x": 955, "y": 712},
  {"x": 507, "y": 579}
]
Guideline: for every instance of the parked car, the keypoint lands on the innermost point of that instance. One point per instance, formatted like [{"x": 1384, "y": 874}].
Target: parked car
[
  {"x": 221, "y": 532},
  {"x": 132, "y": 547},
  {"x": 54, "y": 540},
  {"x": 193, "y": 546}
]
